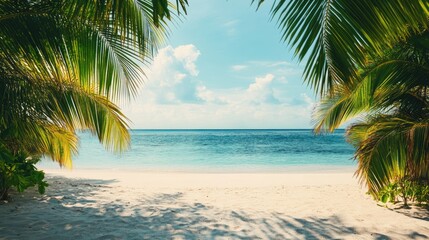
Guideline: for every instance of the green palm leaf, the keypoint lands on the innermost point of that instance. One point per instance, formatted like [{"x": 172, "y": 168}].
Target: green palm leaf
[
  {"x": 384, "y": 83},
  {"x": 63, "y": 63},
  {"x": 48, "y": 111},
  {"x": 335, "y": 37},
  {"x": 390, "y": 94},
  {"x": 389, "y": 148}
]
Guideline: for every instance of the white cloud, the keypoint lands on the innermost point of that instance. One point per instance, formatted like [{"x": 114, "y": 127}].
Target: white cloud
[
  {"x": 282, "y": 69},
  {"x": 232, "y": 115},
  {"x": 230, "y": 27},
  {"x": 174, "y": 97},
  {"x": 210, "y": 96},
  {"x": 188, "y": 54},
  {"x": 272, "y": 63},
  {"x": 258, "y": 92},
  {"x": 261, "y": 91},
  {"x": 261, "y": 83},
  {"x": 171, "y": 78},
  {"x": 238, "y": 67},
  {"x": 230, "y": 23}
]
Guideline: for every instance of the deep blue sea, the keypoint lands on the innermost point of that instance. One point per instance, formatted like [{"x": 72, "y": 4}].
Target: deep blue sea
[{"x": 219, "y": 151}]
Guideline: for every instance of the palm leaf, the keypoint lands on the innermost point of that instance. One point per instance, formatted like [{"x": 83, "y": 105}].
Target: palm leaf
[
  {"x": 384, "y": 83},
  {"x": 63, "y": 62},
  {"x": 389, "y": 148},
  {"x": 335, "y": 37}
]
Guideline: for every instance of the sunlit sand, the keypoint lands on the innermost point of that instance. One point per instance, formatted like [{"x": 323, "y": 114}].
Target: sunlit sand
[{"x": 103, "y": 204}]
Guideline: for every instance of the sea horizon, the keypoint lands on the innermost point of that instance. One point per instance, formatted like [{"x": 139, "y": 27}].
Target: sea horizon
[{"x": 219, "y": 151}]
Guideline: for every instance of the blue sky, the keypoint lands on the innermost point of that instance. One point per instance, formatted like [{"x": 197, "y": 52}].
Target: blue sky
[{"x": 223, "y": 66}]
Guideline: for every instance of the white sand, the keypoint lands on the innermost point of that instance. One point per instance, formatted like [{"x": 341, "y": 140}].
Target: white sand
[{"x": 102, "y": 204}]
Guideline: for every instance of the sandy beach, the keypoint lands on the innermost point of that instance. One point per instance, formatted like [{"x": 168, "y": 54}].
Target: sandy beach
[{"x": 109, "y": 204}]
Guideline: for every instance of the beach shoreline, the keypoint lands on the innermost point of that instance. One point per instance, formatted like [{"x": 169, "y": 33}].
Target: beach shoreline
[
  {"x": 108, "y": 204},
  {"x": 180, "y": 179},
  {"x": 258, "y": 169}
]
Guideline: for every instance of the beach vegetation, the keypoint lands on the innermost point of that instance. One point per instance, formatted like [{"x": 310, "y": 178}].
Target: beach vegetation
[
  {"x": 64, "y": 67},
  {"x": 19, "y": 171},
  {"x": 369, "y": 63},
  {"x": 391, "y": 135},
  {"x": 405, "y": 191},
  {"x": 334, "y": 38}
]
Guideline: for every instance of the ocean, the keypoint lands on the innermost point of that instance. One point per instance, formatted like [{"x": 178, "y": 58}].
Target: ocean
[{"x": 218, "y": 151}]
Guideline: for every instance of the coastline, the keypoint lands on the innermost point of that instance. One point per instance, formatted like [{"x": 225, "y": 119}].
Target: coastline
[
  {"x": 255, "y": 169},
  {"x": 117, "y": 204},
  {"x": 157, "y": 179}
]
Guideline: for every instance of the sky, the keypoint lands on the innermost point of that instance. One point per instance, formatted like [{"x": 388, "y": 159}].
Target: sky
[{"x": 224, "y": 66}]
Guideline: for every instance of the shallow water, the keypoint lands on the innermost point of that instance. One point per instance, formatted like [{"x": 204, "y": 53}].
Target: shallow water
[{"x": 219, "y": 151}]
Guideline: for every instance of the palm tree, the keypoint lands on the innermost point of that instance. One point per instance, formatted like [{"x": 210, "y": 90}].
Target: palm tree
[
  {"x": 64, "y": 64},
  {"x": 392, "y": 139},
  {"x": 335, "y": 37},
  {"x": 367, "y": 58}
]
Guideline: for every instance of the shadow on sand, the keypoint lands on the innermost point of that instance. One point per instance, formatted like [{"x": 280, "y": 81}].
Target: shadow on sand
[
  {"x": 76, "y": 209},
  {"x": 415, "y": 211}
]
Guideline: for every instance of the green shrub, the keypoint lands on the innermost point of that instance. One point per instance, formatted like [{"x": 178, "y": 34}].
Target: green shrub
[
  {"x": 406, "y": 190},
  {"x": 19, "y": 171},
  {"x": 389, "y": 193},
  {"x": 422, "y": 193}
]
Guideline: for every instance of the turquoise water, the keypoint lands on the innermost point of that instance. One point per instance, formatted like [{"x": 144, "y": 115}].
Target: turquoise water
[{"x": 218, "y": 150}]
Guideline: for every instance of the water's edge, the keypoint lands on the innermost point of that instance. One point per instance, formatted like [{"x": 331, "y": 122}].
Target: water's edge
[{"x": 219, "y": 151}]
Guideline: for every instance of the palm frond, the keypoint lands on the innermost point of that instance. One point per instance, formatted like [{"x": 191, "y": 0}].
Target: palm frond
[
  {"x": 80, "y": 109},
  {"x": 389, "y": 148},
  {"x": 102, "y": 44},
  {"x": 336, "y": 36},
  {"x": 66, "y": 105},
  {"x": 63, "y": 63},
  {"x": 40, "y": 138},
  {"x": 385, "y": 83}
]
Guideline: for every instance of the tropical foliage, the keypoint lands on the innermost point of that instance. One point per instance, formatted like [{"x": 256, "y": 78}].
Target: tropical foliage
[
  {"x": 368, "y": 59},
  {"x": 392, "y": 139},
  {"x": 407, "y": 190},
  {"x": 335, "y": 37},
  {"x": 65, "y": 64},
  {"x": 19, "y": 171}
]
